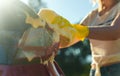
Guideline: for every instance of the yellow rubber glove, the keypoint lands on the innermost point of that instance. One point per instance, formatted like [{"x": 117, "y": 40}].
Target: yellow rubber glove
[{"x": 69, "y": 33}]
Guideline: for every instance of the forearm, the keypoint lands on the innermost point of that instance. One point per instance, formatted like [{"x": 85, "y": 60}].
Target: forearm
[
  {"x": 101, "y": 33},
  {"x": 104, "y": 33}
]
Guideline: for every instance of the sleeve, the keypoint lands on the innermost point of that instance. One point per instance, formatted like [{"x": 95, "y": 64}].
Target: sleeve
[
  {"x": 86, "y": 19},
  {"x": 89, "y": 18}
]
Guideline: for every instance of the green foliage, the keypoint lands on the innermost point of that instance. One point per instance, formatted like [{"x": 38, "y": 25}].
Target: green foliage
[
  {"x": 36, "y": 4},
  {"x": 75, "y": 64}
]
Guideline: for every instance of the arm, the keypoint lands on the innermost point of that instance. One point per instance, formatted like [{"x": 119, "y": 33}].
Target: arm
[{"x": 106, "y": 33}]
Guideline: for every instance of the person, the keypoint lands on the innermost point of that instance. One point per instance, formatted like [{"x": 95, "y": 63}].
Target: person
[
  {"x": 20, "y": 55},
  {"x": 104, "y": 35}
]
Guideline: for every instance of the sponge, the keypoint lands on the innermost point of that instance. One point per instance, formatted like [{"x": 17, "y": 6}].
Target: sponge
[{"x": 69, "y": 33}]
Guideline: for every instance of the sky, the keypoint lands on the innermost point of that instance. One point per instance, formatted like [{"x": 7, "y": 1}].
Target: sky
[{"x": 72, "y": 10}]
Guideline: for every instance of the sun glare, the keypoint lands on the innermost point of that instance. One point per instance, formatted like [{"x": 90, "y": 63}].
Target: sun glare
[{"x": 4, "y": 3}]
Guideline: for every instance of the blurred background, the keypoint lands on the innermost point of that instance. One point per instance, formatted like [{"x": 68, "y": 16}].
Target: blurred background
[{"x": 74, "y": 60}]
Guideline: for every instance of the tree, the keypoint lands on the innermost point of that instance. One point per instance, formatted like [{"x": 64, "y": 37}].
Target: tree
[
  {"x": 74, "y": 60},
  {"x": 36, "y": 4}
]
